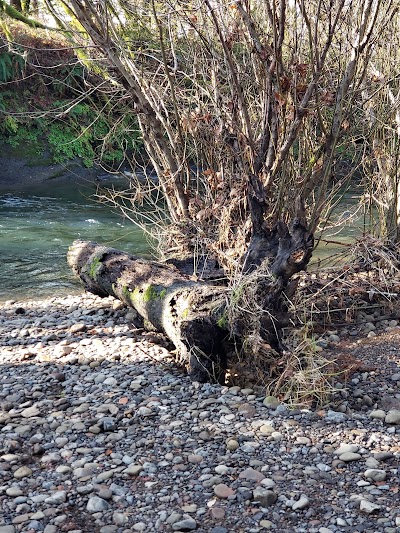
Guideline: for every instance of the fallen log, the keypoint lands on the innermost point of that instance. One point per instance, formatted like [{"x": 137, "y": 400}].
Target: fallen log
[
  {"x": 189, "y": 312},
  {"x": 203, "y": 319}
]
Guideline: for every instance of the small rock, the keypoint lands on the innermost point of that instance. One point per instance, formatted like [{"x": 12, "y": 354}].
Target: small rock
[
  {"x": 369, "y": 507},
  {"x": 271, "y": 402},
  {"x": 30, "y": 412},
  {"x": 251, "y": 475},
  {"x": 247, "y": 410},
  {"x": 335, "y": 417},
  {"x": 232, "y": 445},
  {"x": 133, "y": 470},
  {"x": 264, "y": 496},
  {"x": 301, "y": 503},
  {"x": 345, "y": 448},
  {"x": 349, "y": 456},
  {"x": 189, "y": 524},
  {"x": 120, "y": 519},
  {"x": 267, "y": 524},
  {"x": 23, "y": 471},
  {"x": 139, "y": 526},
  {"x": 218, "y": 513},
  {"x": 97, "y": 505},
  {"x": 377, "y": 413},
  {"x": 76, "y": 328},
  {"x": 393, "y": 417},
  {"x": 195, "y": 459},
  {"x": 223, "y": 491},
  {"x": 375, "y": 474}
]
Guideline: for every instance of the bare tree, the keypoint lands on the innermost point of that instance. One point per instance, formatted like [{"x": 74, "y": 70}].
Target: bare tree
[{"x": 245, "y": 109}]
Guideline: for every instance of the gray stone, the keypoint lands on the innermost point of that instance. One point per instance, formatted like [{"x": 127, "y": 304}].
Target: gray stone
[
  {"x": 369, "y": 507},
  {"x": 188, "y": 524},
  {"x": 120, "y": 519},
  {"x": 23, "y": 471},
  {"x": 271, "y": 402},
  {"x": 30, "y": 412},
  {"x": 301, "y": 503},
  {"x": 57, "y": 497},
  {"x": 7, "y": 529},
  {"x": 251, "y": 475},
  {"x": 375, "y": 474},
  {"x": 393, "y": 417},
  {"x": 346, "y": 448},
  {"x": 223, "y": 491},
  {"x": 76, "y": 328},
  {"x": 377, "y": 413},
  {"x": 265, "y": 497},
  {"x": 97, "y": 505},
  {"x": 349, "y": 456},
  {"x": 335, "y": 417},
  {"x": 133, "y": 470}
]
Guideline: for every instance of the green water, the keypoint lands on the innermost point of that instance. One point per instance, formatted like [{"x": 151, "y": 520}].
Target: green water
[
  {"x": 36, "y": 228},
  {"x": 38, "y": 225}
]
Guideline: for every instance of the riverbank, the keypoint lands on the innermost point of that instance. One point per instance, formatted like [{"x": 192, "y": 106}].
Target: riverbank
[{"x": 101, "y": 432}]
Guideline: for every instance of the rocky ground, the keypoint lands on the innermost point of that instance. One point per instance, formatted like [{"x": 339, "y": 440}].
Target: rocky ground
[{"x": 100, "y": 432}]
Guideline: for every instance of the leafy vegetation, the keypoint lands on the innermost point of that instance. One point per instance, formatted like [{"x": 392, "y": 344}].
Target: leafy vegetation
[{"x": 45, "y": 106}]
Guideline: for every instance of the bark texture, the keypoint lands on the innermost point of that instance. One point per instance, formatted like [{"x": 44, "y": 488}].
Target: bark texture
[
  {"x": 202, "y": 317},
  {"x": 187, "y": 311}
]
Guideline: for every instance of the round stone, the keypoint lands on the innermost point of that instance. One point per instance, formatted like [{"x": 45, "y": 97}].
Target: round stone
[
  {"x": 393, "y": 417},
  {"x": 189, "y": 524},
  {"x": 23, "y": 471},
  {"x": 232, "y": 445},
  {"x": 97, "y": 505},
  {"x": 218, "y": 513},
  {"x": 349, "y": 456},
  {"x": 375, "y": 474},
  {"x": 223, "y": 491},
  {"x": 251, "y": 475}
]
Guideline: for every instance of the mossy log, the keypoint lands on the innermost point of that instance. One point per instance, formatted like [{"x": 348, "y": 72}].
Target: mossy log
[
  {"x": 189, "y": 312},
  {"x": 197, "y": 315}
]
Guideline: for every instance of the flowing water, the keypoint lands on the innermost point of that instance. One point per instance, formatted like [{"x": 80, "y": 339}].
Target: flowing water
[
  {"x": 36, "y": 228},
  {"x": 38, "y": 225}
]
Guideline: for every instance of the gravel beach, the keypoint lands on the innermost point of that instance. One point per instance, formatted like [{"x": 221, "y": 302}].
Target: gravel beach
[{"x": 101, "y": 432}]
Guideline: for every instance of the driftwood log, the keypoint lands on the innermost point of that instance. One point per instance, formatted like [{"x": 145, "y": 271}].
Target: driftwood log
[
  {"x": 187, "y": 311},
  {"x": 191, "y": 313}
]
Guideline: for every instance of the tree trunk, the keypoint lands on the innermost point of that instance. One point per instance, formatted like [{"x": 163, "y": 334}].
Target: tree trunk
[
  {"x": 187, "y": 311},
  {"x": 201, "y": 317}
]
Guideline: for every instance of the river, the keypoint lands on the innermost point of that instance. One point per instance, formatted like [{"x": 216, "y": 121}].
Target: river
[{"x": 38, "y": 225}]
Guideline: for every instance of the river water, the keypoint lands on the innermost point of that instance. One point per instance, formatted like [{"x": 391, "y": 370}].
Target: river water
[{"x": 38, "y": 225}]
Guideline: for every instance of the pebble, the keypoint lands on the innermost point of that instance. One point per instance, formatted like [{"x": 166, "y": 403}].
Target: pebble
[
  {"x": 375, "y": 474},
  {"x": 96, "y": 505},
  {"x": 393, "y": 417},
  {"x": 369, "y": 507},
  {"x": 377, "y": 413},
  {"x": 349, "y": 456},
  {"x": 124, "y": 439},
  {"x": 265, "y": 497},
  {"x": 22, "y": 471},
  {"x": 223, "y": 491},
  {"x": 189, "y": 524},
  {"x": 301, "y": 503},
  {"x": 251, "y": 475}
]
